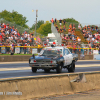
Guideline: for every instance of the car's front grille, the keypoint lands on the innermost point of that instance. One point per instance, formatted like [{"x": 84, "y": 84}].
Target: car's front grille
[{"x": 43, "y": 61}]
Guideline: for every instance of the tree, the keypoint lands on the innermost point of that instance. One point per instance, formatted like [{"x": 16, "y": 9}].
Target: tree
[
  {"x": 45, "y": 28},
  {"x": 72, "y": 21},
  {"x": 39, "y": 23},
  {"x": 14, "y": 17}
]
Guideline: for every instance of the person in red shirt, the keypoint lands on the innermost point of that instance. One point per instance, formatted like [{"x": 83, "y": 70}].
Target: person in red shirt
[
  {"x": 4, "y": 25},
  {"x": 0, "y": 38},
  {"x": 25, "y": 48}
]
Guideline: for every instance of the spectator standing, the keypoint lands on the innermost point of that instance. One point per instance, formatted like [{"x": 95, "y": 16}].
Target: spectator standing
[
  {"x": 92, "y": 28},
  {"x": 60, "y": 22},
  {"x": 70, "y": 26},
  {"x": 12, "y": 48},
  {"x": 74, "y": 29},
  {"x": 52, "y": 21},
  {"x": 57, "y": 28},
  {"x": 69, "y": 32},
  {"x": 25, "y": 48},
  {"x": 64, "y": 28},
  {"x": 79, "y": 27},
  {"x": 96, "y": 28},
  {"x": 55, "y": 20},
  {"x": 99, "y": 48},
  {"x": 28, "y": 48},
  {"x": 64, "y": 21}
]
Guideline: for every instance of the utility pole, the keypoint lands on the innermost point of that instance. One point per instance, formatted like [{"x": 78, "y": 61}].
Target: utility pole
[{"x": 36, "y": 22}]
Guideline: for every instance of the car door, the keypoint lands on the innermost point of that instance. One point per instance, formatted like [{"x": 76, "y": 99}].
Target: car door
[
  {"x": 69, "y": 56},
  {"x": 64, "y": 55}
]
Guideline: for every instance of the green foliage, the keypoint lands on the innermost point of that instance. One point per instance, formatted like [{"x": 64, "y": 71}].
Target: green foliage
[
  {"x": 72, "y": 21},
  {"x": 14, "y": 17},
  {"x": 39, "y": 23},
  {"x": 45, "y": 28}
]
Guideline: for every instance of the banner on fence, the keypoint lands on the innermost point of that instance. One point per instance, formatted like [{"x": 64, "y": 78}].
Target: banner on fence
[
  {"x": 3, "y": 50},
  {"x": 97, "y": 57},
  {"x": 95, "y": 52},
  {"x": 34, "y": 51},
  {"x": 17, "y": 50}
]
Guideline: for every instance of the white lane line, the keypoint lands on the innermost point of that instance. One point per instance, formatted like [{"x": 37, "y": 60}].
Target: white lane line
[
  {"x": 13, "y": 62},
  {"x": 89, "y": 65},
  {"x": 9, "y": 69},
  {"x": 27, "y": 68}
]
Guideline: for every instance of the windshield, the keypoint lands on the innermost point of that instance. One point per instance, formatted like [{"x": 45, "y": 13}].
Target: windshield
[
  {"x": 53, "y": 52},
  {"x": 52, "y": 40}
]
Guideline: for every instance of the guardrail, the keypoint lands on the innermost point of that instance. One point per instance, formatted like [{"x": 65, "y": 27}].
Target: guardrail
[
  {"x": 47, "y": 85},
  {"x": 48, "y": 76}
]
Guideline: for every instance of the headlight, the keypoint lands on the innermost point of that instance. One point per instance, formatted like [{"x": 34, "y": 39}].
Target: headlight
[{"x": 32, "y": 61}]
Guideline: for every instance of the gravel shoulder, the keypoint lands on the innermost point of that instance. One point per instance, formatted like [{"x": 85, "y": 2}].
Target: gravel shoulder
[{"x": 87, "y": 95}]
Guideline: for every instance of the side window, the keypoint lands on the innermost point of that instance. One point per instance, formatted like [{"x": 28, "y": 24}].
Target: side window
[
  {"x": 67, "y": 52},
  {"x": 63, "y": 51}
]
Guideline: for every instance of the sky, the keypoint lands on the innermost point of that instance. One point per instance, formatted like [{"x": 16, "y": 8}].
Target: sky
[{"x": 84, "y": 11}]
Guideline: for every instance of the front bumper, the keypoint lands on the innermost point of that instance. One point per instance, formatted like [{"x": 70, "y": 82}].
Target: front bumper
[{"x": 42, "y": 65}]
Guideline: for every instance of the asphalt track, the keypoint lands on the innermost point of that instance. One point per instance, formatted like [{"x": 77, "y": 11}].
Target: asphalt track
[{"x": 20, "y": 69}]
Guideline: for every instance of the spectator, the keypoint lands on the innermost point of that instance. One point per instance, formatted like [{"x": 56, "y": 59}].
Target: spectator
[
  {"x": 64, "y": 28},
  {"x": 60, "y": 22},
  {"x": 96, "y": 28},
  {"x": 99, "y": 48},
  {"x": 74, "y": 29},
  {"x": 28, "y": 48},
  {"x": 69, "y": 32},
  {"x": 57, "y": 28},
  {"x": 64, "y": 21},
  {"x": 52, "y": 21},
  {"x": 70, "y": 26},
  {"x": 55, "y": 20},
  {"x": 79, "y": 27},
  {"x": 25, "y": 48},
  {"x": 92, "y": 28}
]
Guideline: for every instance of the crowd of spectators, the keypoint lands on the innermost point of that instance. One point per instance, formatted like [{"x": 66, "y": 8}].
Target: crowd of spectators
[
  {"x": 10, "y": 37},
  {"x": 91, "y": 35}
]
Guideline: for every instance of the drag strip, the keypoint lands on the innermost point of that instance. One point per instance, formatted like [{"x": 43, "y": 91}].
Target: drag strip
[{"x": 21, "y": 69}]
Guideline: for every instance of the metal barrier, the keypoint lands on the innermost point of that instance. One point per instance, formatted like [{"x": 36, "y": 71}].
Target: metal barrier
[{"x": 36, "y": 49}]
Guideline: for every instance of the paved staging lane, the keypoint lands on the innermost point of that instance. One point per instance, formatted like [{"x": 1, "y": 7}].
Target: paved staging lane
[{"x": 21, "y": 69}]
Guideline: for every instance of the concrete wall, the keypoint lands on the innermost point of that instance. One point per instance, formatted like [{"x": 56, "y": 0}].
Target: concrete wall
[
  {"x": 12, "y": 58},
  {"x": 47, "y": 86}
]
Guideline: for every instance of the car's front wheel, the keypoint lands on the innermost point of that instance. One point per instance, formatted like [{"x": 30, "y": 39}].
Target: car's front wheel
[
  {"x": 59, "y": 68},
  {"x": 34, "y": 69},
  {"x": 71, "y": 68}
]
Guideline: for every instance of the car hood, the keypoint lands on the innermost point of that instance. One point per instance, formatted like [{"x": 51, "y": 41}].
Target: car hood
[{"x": 45, "y": 57}]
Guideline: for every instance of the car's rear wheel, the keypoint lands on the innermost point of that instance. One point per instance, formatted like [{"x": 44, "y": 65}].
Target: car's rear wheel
[
  {"x": 59, "y": 68},
  {"x": 71, "y": 68},
  {"x": 46, "y": 70},
  {"x": 34, "y": 69}
]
